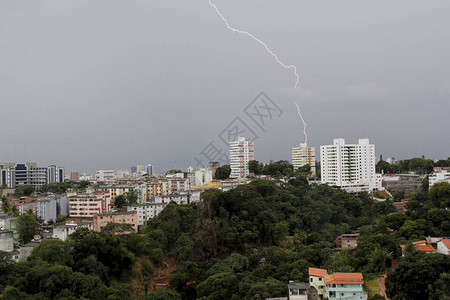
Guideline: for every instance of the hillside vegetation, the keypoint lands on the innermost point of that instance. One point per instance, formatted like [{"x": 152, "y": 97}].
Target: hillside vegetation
[{"x": 246, "y": 243}]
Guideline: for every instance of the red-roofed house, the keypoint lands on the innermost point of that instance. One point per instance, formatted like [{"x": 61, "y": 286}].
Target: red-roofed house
[
  {"x": 420, "y": 246},
  {"x": 345, "y": 286},
  {"x": 443, "y": 246},
  {"x": 317, "y": 283}
]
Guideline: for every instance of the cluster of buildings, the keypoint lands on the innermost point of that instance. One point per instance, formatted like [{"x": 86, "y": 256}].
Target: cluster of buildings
[
  {"x": 431, "y": 245},
  {"x": 13, "y": 175},
  {"x": 321, "y": 285},
  {"x": 107, "y": 175}
]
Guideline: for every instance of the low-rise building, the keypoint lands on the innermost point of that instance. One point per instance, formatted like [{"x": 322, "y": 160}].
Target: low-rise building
[
  {"x": 439, "y": 174},
  {"x": 62, "y": 232},
  {"x": 298, "y": 291},
  {"x": 146, "y": 211},
  {"x": 402, "y": 182},
  {"x": 128, "y": 217},
  {"x": 347, "y": 241},
  {"x": 423, "y": 246},
  {"x": 317, "y": 283},
  {"x": 347, "y": 286},
  {"x": 6, "y": 222}
]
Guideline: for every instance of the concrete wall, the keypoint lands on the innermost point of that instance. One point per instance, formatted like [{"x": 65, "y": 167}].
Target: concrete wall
[{"x": 6, "y": 241}]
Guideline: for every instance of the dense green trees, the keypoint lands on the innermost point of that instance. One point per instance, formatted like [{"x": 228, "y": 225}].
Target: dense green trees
[
  {"x": 246, "y": 243},
  {"x": 420, "y": 276},
  {"x": 24, "y": 190},
  {"x": 417, "y": 165},
  {"x": 27, "y": 226},
  {"x": 223, "y": 172}
]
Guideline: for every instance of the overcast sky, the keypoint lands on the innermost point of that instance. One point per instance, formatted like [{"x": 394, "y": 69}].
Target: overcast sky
[{"x": 109, "y": 84}]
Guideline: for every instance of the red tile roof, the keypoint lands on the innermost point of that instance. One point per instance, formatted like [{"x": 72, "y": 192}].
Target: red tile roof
[
  {"x": 317, "y": 272},
  {"x": 424, "y": 248},
  {"x": 419, "y": 242},
  {"x": 345, "y": 278}
]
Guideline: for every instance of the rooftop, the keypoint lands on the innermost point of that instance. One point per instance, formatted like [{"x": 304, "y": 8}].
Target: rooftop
[
  {"x": 117, "y": 213},
  {"x": 345, "y": 278},
  {"x": 317, "y": 272}
]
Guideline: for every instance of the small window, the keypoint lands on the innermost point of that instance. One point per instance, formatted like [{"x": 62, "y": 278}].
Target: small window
[
  {"x": 320, "y": 278},
  {"x": 311, "y": 280}
]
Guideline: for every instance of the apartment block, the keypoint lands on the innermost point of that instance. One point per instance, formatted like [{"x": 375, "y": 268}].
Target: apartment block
[
  {"x": 51, "y": 207},
  {"x": 88, "y": 205},
  {"x": 350, "y": 166},
  {"x": 241, "y": 152},
  {"x": 304, "y": 155}
]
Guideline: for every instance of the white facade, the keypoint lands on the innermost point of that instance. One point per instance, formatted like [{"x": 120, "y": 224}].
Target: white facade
[
  {"x": 105, "y": 175},
  {"x": 62, "y": 232},
  {"x": 304, "y": 155},
  {"x": 46, "y": 209},
  {"x": 241, "y": 152},
  {"x": 443, "y": 246},
  {"x": 350, "y": 166},
  {"x": 201, "y": 177},
  {"x": 439, "y": 175},
  {"x": 146, "y": 211}
]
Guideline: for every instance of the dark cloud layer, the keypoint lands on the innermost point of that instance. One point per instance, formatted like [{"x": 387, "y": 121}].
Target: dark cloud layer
[{"x": 108, "y": 84}]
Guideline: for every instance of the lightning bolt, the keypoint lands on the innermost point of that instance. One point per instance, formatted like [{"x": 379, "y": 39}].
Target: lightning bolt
[
  {"x": 271, "y": 53},
  {"x": 303, "y": 121}
]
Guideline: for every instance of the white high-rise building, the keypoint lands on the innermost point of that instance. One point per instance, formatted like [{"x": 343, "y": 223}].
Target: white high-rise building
[
  {"x": 241, "y": 152},
  {"x": 304, "y": 155},
  {"x": 350, "y": 166}
]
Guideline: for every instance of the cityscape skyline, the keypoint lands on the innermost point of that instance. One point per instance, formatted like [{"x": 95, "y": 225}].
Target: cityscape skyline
[{"x": 119, "y": 88}]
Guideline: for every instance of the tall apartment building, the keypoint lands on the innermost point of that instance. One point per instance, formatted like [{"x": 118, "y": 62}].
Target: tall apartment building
[
  {"x": 350, "y": 166},
  {"x": 150, "y": 170},
  {"x": 304, "y": 155},
  {"x": 17, "y": 174},
  {"x": 241, "y": 152}
]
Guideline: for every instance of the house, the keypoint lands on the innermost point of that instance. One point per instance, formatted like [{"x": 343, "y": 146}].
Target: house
[
  {"x": 443, "y": 246},
  {"x": 296, "y": 291},
  {"x": 347, "y": 241},
  {"x": 420, "y": 246},
  {"x": 347, "y": 286},
  {"x": 317, "y": 283}
]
